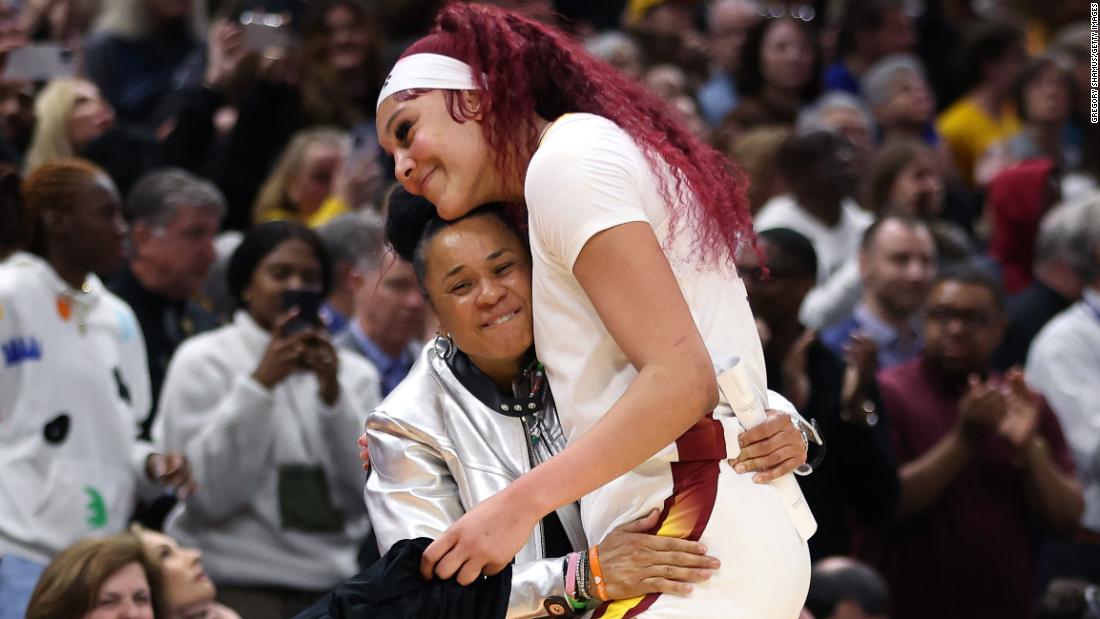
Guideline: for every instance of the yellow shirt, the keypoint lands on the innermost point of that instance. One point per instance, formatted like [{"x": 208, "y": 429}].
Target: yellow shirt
[
  {"x": 969, "y": 132},
  {"x": 330, "y": 208}
]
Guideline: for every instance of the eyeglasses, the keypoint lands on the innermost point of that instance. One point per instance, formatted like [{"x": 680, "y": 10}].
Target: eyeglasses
[{"x": 971, "y": 319}]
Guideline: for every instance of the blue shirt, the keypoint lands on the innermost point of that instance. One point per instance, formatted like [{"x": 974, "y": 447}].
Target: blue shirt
[
  {"x": 839, "y": 77},
  {"x": 391, "y": 369},
  {"x": 717, "y": 98},
  {"x": 892, "y": 350},
  {"x": 334, "y": 321}
]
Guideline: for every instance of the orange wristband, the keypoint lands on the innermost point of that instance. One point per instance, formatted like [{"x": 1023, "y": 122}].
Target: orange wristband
[{"x": 597, "y": 573}]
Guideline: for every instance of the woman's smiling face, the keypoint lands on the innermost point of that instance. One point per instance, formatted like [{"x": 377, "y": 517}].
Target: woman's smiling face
[
  {"x": 446, "y": 161},
  {"x": 478, "y": 278}
]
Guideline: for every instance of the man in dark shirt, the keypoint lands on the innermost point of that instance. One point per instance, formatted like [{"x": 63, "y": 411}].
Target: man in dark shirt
[
  {"x": 174, "y": 217},
  {"x": 1056, "y": 286},
  {"x": 857, "y": 478},
  {"x": 983, "y": 467}
]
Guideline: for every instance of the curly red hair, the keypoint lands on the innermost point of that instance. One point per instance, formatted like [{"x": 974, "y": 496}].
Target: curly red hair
[{"x": 522, "y": 65}]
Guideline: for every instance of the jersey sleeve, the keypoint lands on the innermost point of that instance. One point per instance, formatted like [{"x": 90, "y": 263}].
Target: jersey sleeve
[{"x": 588, "y": 176}]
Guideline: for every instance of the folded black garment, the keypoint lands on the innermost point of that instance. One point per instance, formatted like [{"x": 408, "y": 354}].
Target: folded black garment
[{"x": 393, "y": 589}]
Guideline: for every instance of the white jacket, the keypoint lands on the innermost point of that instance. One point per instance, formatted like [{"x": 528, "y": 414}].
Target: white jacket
[
  {"x": 237, "y": 434},
  {"x": 74, "y": 385}
]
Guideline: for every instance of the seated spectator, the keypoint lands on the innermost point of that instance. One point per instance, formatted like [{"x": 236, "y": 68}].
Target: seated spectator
[
  {"x": 897, "y": 261},
  {"x": 1016, "y": 201},
  {"x": 905, "y": 178},
  {"x": 858, "y": 478},
  {"x": 173, "y": 217},
  {"x": 187, "y": 591},
  {"x": 141, "y": 52},
  {"x": 666, "y": 32},
  {"x": 670, "y": 83},
  {"x": 69, "y": 114},
  {"x": 343, "y": 63},
  {"x": 619, "y": 50},
  {"x": 844, "y": 588},
  {"x": 1043, "y": 95},
  {"x": 105, "y": 578},
  {"x": 300, "y": 185},
  {"x": 818, "y": 170},
  {"x": 988, "y": 63},
  {"x": 74, "y": 385},
  {"x": 867, "y": 30},
  {"x": 354, "y": 242},
  {"x": 983, "y": 465},
  {"x": 264, "y": 407},
  {"x": 779, "y": 72},
  {"x": 390, "y": 314},
  {"x": 755, "y": 151},
  {"x": 728, "y": 23},
  {"x": 1064, "y": 366},
  {"x": 1059, "y": 251},
  {"x": 845, "y": 115},
  {"x": 897, "y": 92}
]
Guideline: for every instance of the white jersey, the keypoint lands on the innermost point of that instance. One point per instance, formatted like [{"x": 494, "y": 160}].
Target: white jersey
[
  {"x": 587, "y": 176},
  {"x": 74, "y": 386}
]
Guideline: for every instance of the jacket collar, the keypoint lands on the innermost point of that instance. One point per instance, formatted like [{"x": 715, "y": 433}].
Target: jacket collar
[{"x": 530, "y": 393}]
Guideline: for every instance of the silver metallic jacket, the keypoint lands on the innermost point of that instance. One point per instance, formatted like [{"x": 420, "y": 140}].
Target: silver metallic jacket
[{"x": 437, "y": 451}]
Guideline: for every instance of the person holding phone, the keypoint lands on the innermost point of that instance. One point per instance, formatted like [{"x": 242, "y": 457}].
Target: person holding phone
[{"x": 268, "y": 410}]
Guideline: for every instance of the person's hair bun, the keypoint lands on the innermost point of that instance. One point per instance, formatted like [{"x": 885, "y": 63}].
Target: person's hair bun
[{"x": 406, "y": 219}]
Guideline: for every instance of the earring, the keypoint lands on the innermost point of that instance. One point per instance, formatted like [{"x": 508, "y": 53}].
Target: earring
[{"x": 444, "y": 346}]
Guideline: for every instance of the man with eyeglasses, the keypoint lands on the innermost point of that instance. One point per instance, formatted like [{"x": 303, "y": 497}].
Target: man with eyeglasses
[{"x": 982, "y": 461}]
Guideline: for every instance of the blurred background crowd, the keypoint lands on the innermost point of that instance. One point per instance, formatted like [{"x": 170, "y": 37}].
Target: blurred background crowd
[{"x": 923, "y": 176}]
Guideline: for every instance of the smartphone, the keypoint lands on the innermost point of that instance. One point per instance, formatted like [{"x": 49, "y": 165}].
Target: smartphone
[
  {"x": 40, "y": 62},
  {"x": 308, "y": 303},
  {"x": 265, "y": 33}
]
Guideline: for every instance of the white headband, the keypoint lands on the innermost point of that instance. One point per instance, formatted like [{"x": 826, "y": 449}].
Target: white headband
[{"x": 433, "y": 71}]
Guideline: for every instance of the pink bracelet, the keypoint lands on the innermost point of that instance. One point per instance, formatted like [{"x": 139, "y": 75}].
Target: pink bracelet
[{"x": 571, "y": 576}]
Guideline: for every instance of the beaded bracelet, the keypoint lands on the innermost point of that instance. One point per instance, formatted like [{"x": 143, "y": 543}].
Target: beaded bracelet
[{"x": 584, "y": 576}]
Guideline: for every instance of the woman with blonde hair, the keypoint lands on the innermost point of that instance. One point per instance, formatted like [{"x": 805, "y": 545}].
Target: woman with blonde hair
[
  {"x": 300, "y": 186},
  {"x": 99, "y": 578},
  {"x": 69, "y": 114}
]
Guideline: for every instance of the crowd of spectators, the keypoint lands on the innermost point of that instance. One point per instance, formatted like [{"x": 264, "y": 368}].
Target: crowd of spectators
[{"x": 925, "y": 182}]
